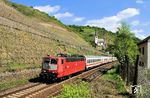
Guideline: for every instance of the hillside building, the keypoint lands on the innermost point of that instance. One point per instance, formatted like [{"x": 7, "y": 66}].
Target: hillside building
[
  {"x": 99, "y": 42},
  {"x": 144, "y": 48}
]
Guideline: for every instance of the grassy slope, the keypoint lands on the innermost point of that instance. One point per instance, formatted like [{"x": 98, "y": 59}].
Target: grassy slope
[
  {"x": 29, "y": 11},
  {"x": 32, "y": 34},
  {"x": 49, "y": 23}
]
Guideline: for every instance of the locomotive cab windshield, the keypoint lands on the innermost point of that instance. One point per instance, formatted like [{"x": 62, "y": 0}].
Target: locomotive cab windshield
[{"x": 50, "y": 64}]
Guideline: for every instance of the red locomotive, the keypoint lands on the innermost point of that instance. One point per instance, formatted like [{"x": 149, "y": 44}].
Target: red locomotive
[{"x": 56, "y": 67}]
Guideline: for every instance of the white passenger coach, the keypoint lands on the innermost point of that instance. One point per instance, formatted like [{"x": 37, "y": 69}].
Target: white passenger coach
[{"x": 92, "y": 61}]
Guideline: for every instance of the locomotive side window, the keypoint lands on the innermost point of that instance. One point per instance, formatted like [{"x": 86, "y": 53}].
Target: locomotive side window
[
  {"x": 53, "y": 64},
  {"x": 49, "y": 64},
  {"x": 62, "y": 61}
]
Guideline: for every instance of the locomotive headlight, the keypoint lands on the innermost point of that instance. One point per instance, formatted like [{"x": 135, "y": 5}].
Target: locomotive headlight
[{"x": 44, "y": 70}]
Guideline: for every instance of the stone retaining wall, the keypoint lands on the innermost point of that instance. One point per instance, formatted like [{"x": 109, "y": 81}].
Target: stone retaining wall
[{"x": 8, "y": 76}]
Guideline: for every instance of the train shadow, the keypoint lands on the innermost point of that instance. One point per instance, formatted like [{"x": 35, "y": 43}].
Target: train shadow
[{"x": 40, "y": 80}]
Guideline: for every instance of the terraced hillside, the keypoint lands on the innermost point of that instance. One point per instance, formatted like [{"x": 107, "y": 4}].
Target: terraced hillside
[{"x": 26, "y": 35}]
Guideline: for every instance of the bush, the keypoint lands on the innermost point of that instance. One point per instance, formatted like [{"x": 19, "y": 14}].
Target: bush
[
  {"x": 114, "y": 77},
  {"x": 76, "y": 91},
  {"x": 144, "y": 82}
]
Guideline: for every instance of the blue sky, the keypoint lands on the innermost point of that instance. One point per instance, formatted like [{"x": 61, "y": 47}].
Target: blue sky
[{"x": 101, "y": 13}]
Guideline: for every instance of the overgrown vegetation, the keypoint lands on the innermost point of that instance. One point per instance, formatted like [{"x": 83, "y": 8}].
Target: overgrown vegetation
[
  {"x": 110, "y": 84},
  {"x": 76, "y": 90},
  {"x": 144, "y": 82},
  {"x": 113, "y": 77}
]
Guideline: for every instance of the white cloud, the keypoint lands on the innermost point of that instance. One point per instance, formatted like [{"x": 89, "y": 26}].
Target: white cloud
[
  {"x": 127, "y": 13},
  {"x": 78, "y": 19},
  {"x": 113, "y": 22},
  {"x": 135, "y": 23},
  {"x": 48, "y": 9},
  {"x": 63, "y": 15},
  {"x": 140, "y": 1},
  {"x": 139, "y": 33}
]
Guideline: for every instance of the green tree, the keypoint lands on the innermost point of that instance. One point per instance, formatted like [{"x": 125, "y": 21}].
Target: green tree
[
  {"x": 125, "y": 44},
  {"x": 125, "y": 49}
]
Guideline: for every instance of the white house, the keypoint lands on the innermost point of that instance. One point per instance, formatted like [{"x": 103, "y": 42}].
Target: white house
[
  {"x": 99, "y": 42},
  {"x": 144, "y": 48}
]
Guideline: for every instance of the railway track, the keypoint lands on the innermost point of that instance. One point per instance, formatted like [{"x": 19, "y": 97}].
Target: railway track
[
  {"x": 11, "y": 91},
  {"x": 22, "y": 91},
  {"x": 47, "y": 91}
]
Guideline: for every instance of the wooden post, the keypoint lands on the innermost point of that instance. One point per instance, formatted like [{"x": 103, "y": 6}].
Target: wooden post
[
  {"x": 136, "y": 71},
  {"x": 135, "y": 76}
]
